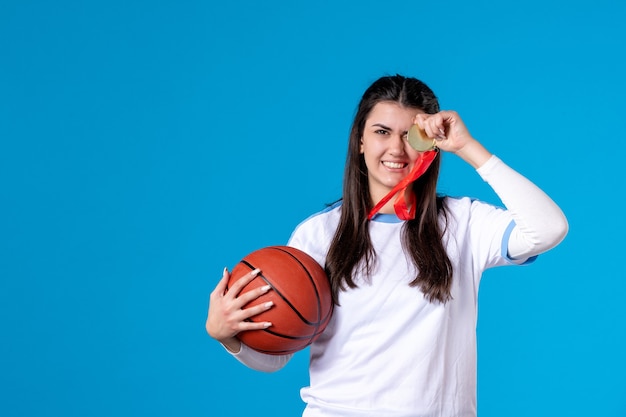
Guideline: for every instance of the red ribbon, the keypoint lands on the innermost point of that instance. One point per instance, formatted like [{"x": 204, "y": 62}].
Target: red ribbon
[{"x": 404, "y": 210}]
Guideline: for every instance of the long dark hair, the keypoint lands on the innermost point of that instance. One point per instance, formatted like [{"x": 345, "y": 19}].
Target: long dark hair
[{"x": 351, "y": 249}]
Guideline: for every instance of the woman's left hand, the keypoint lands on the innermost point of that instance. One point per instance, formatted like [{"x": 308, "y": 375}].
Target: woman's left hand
[
  {"x": 447, "y": 128},
  {"x": 451, "y": 135}
]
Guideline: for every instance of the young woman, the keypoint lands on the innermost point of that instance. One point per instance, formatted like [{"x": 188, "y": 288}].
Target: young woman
[{"x": 402, "y": 339}]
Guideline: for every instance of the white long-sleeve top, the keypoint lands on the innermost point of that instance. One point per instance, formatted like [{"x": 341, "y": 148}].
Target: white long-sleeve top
[{"x": 388, "y": 351}]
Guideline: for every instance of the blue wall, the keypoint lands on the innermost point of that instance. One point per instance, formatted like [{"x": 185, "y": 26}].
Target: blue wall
[{"x": 146, "y": 145}]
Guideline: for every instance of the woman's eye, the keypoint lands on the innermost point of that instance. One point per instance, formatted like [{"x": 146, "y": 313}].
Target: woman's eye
[{"x": 382, "y": 132}]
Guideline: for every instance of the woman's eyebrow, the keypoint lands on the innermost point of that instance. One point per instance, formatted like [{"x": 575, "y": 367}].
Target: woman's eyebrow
[{"x": 388, "y": 128}]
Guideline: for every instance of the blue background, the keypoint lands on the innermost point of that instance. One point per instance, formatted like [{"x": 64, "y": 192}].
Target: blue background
[{"x": 147, "y": 145}]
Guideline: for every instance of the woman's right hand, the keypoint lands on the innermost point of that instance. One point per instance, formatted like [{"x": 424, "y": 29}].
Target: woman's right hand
[{"x": 227, "y": 317}]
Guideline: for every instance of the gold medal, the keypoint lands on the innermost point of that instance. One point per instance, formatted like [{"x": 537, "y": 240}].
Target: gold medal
[{"x": 419, "y": 141}]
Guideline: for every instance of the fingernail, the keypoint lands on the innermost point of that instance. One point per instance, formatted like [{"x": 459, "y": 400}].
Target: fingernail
[
  {"x": 255, "y": 272},
  {"x": 269, "y": 304},
  {"x": 225, "y": 271},
  {"x": 267, "y": 324},
  {"x": 266, "y": 288}
]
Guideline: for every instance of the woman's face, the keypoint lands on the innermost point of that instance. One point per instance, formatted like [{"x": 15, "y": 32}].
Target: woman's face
[{"x": 388, "y": 156}]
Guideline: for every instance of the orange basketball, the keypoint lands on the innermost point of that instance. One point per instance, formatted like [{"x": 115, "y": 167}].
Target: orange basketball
[{"x": 300, "y": 293}]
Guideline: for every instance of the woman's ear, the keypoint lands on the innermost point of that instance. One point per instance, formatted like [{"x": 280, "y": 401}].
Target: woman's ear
[{"x": 361, "y": 145}]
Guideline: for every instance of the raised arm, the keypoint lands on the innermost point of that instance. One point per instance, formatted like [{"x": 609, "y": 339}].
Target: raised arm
[{"x": 539, "y": 223}]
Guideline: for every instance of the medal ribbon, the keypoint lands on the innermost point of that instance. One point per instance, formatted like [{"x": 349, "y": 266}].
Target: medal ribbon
[{"x": 404, "y": 210}]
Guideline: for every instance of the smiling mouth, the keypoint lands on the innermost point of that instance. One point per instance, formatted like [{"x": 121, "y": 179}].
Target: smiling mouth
[{"x": 395, "y": 165}]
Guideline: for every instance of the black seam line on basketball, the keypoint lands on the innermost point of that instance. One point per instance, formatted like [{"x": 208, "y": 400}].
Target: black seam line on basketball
[
  {"x": 317, "y": 294},
  {"x": 295, "y": 310},
  {"x": 284, "y": 336}
]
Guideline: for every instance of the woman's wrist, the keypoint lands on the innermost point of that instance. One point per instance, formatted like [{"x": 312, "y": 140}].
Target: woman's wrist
[
  {"x": 233, "y": 345},
  {"x": 474, "y": 154}
]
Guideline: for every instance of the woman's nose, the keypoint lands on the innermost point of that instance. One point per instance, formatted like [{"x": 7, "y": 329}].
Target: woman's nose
[{"x": 398, "y": 145}]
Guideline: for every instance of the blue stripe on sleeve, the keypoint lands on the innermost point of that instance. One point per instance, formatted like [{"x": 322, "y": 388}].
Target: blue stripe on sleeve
[{"x": 505, "y": 247}]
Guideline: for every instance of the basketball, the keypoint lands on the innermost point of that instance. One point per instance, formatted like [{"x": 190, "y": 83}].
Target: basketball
[{"x": 301, "y": 295}]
